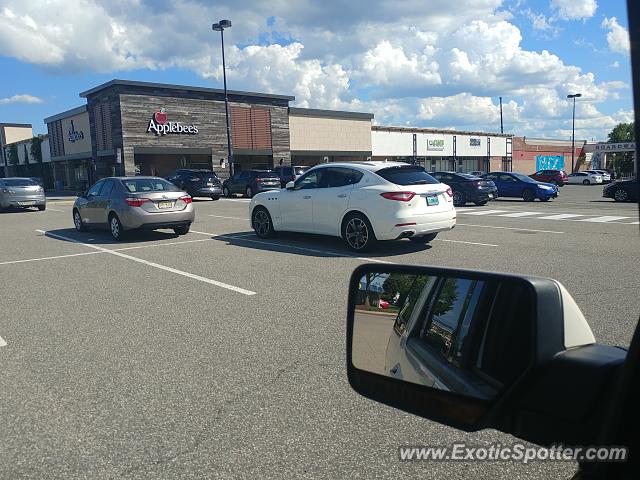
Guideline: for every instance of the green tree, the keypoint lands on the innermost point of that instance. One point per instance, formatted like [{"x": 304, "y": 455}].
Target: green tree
[
  {"x": 623, "y": 132},
  {"x": 12, "y": 155},
  {"x": 35, "y": 149}
]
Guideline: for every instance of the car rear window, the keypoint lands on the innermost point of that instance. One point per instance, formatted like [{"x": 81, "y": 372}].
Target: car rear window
[
  {"x": 19, "y": 182},
  {"x": 265, "y": 174},
  {"x": 137, "y": 185},
  {"x": 406, "y": 175}
]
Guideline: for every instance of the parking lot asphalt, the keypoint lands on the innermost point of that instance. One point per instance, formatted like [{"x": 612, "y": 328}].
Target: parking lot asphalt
[{"x": 220, "y": 355}]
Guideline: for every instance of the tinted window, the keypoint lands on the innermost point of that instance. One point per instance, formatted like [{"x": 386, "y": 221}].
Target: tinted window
[
  {"x": 340, "y": 177},
  {"x": 264, "y": 174},
  {"x": 506, "y": 178},
  {"x": 95, "y": 189},
  {"x": 406, "y": 175},
  {"x": 465, "y": 176},
  {"x": 491, "y": 176},
  {"x": 523, "y": 178},
  {"x": 243, "y": 175},
  {"x": 19, "y": 182},
  {"x": 107, "y": 188},
  {"x": 149, "y": 185},
  {"x": 314, "y": 179}
]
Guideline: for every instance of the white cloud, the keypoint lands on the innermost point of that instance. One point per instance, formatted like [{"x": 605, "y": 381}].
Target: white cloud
[
  {"x": 617, "y": 37},
  {"x": 438, "y": 66},
  {"x": 20, "y": 98},
  {"x": 574, "y": 9}
]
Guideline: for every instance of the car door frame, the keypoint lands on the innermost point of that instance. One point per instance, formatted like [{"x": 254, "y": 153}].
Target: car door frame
[
  {"x": 330, "y": 203},
  {"x": 87, "y": 211},
  {"x": 300, "y": 197}
]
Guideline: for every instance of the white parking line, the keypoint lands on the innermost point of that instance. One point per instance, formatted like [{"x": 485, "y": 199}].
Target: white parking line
[
  {"x": 560, "y": 216},
  {"x": 2, "y": 342},
  {"x": 468, "y": 243},
  {"x": 482, "y": 212},
  {"x": 519, "y": 214},
  {"x": 230, "y": 218},
  {"x": 607, "y": 218},
  {"x": 54, "y": 210},
  {"x": 506, "y": 228},
  {"x": 235, "y": 199},
  {"x": 151, "y": 264},
  {"x": 11, "y": 262}
]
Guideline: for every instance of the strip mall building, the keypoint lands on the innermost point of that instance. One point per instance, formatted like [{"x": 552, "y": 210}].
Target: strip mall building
[{"x": 140, "y": 128}]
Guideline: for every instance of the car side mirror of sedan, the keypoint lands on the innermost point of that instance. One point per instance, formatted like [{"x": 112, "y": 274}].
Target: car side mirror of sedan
[
  {"x": 80, "y": 194},
  {"x": 290, "y": 185},
  {"x": 477, "y": 350}
]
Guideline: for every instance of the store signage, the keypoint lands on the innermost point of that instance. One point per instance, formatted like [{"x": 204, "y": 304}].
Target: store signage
[
  {"x": 160, "y": 125},
  {"x": 75, "y": 135},
  {"x": 474, "y": 142},
  {"x": 435, "y": 144},
  {"x": 629, "y": 146}
]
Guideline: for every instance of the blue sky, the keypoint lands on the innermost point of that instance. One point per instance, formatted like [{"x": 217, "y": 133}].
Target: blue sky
[{"x": 409, "y": 65}]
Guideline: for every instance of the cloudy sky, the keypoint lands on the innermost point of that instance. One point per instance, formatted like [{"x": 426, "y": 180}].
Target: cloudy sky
[{"x": 431, "y": 63}]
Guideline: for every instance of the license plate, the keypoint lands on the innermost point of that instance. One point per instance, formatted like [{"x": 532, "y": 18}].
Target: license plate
[
  {"x": 209, "y": 184},
  {"x": 26, "y": 204},
  {"x": 165, "y": 204},
  {"x": 432, "y": 200}
]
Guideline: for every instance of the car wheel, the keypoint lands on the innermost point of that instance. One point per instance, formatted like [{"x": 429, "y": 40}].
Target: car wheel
[
  {"x": 77, "y": 221},
  {"x": 424, "y": 238},
  {"x": 620, "y": 195},
  {"x": 262, "y": 223},
  {"x": 357, "y": 232},
  {"x": 248, "y": 192},
  {"x": 42, "y": 208},
  {"x": 182, "y": 230},
  {"x": 458, "y": 199},
  {"x": 115, "y": 227},
  {"x": 215, "y": 197},
  {"x": 480, "y": 204},
  {"x": 586, "y": 182},
  {"x": 226, "y": 192},
  {"x": 528, "y": 195}
]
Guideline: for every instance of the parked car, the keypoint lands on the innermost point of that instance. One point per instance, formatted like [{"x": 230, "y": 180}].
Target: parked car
[
  {"x": 511, "y": 184},
  {"x": 250, "y": 182},
  {"x": 606, "y": 176},
  {"x": 127, "y": 203},
  {"x": 288, "y": 173},
  {"x": 21, "y": 192},
  {"x": 383, "y": 304},
  {"x": 557, "y": 177},
  {"x": 584, "y": 178},
  {"x": 477, "y": 173},
  {"x": 197, "y": 183},
  {"x": 362, "y": 202},
  {"x": 467, "y": 187},
  {"x": 622, "y": 190}
]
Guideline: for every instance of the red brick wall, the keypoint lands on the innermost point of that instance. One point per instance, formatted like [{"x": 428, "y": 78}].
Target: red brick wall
[{"x": 524, "y": 154}]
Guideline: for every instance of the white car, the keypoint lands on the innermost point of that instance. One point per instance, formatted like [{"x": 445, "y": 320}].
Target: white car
[
  {"x": 361, "y": 202},
  {"x": 606, "y": 176},
  {"x": 584, "y": 178}
]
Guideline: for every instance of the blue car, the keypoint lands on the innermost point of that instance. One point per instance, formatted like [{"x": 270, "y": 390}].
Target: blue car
[{"x": 511, "y": 184}]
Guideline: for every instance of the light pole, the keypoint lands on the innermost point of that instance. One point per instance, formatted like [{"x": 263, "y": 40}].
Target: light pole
[
  {"x": 573, "y": 128},
  {"x": 219, "y": 27}
]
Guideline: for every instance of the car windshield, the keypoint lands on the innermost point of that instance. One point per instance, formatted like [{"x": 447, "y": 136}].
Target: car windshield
[
  {"x": 19, "y": 182},
  {"x": 523, "y": 178},
  {"x": 406, "y": 175},
  {"x": 467, "y": 175},
  {"x": 141, "y": 185}
]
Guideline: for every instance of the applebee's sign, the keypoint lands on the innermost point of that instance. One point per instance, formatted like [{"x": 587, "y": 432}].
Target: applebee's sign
[{"x": 160, "y": 125}]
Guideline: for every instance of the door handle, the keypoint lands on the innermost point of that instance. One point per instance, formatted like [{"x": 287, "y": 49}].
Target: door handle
[
  {"x": 342, "y": 195},
  {"x": 307, "y": 197}
]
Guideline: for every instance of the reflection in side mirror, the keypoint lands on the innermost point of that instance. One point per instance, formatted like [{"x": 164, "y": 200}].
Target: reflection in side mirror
[
  {"x": 478, "y": 350},
  {"x": 444, "y": 332},
  {"x": 290, "y": 185}
]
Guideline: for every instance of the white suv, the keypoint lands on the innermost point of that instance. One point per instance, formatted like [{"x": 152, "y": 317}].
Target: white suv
[{"x": 361, "y": 202}]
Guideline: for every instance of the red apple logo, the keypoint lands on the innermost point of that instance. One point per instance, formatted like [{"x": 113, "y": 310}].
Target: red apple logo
[{"x": 160, "y": 117}]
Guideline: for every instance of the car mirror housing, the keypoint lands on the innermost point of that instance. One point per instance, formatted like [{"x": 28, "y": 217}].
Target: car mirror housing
[
  {"x": 290, "y": 185},
  {"x": 478, "y": 350}
]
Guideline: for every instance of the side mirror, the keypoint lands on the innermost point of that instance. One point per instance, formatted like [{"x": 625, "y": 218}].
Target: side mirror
[
  {"x": 290, "y": 185},
  {"x": 478, "y": 350},
  {"x": 80, "y": 194}
]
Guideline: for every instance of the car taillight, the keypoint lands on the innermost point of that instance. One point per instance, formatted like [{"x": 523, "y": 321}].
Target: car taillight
[
  {"x": 259, "y": 179},
  {"x": 399, "y": 196},
  {"x": 135, "y": 202},
  {"x": 293, "y": 177},
  {"x": 449, "y": 192},
  {"x": 186, "y": 199}
]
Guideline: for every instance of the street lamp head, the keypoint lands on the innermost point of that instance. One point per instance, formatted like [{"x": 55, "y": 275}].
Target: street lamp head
[
  {"x": 221, "y": 25},
  {"x": 575, "y": 95}
]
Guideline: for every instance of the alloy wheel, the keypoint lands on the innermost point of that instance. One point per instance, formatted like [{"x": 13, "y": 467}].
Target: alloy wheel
[
  {"x": 261, "y": 222},
  {"x": 115, "y": 227},
  {"x": 620, "y": 195},
  {"x": 77, "y": 221},
  {"x": 357, "y": 233}
]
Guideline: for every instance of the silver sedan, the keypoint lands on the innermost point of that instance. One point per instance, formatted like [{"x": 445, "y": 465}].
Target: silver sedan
[
  {"x": 129, "y": 203},
  {"x": 21, "y": 192}
]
